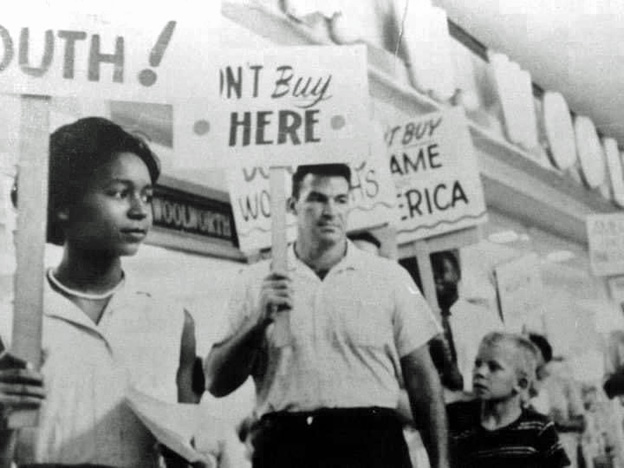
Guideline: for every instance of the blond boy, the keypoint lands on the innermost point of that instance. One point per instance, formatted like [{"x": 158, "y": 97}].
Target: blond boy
[{"x": 496, "y": 429}]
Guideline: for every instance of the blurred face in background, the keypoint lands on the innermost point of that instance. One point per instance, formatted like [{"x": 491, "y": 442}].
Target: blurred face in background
[{"x": 446, "y": 276}]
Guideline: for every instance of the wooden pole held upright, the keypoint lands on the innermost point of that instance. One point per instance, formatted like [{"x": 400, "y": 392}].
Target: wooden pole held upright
[
  {"x": 30, "y": 239},
  {"x": 421, "y": 250},
  {"x": 279, "y": 242}
]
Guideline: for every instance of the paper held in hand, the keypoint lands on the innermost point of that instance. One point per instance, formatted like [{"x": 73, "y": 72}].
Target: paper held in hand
[{"x": 176, "y": 426}]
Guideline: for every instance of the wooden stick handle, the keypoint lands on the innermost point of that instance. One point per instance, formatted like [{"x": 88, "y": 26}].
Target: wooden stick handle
[{"x": 279, "y": 244}]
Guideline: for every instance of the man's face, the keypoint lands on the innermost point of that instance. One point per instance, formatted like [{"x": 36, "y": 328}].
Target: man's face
[
  {"x": 446, "y": 279},
  {"x": 322, "y": 209}
]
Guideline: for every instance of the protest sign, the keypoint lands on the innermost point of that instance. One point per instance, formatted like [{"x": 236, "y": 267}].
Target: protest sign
[
  {"x": 281, "y": 106},
  {"x": 605, "y": 233},
  {"x": 373, "y": 195},
  {"x": 372, "y": 199},
  {"x": 520, "y": 287},
  {"x": 435, "y": 171},
  {"x": 123, "y": 53},
  {"x": 251, "y": 204}
]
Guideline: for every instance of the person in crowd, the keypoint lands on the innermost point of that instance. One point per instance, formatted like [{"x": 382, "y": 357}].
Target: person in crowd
[
  {"x": 464, "y": 323},
  {"x": 326, "y": 393},
  {"x": 558, "y": 397},
  {"x": 614, "y": 365},
  {"x": 496, "y": 429},
  {"x": 100, "y": 333}
]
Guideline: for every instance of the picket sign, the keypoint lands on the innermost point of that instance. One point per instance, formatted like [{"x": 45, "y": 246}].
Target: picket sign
[
  {"x": 102, "y": 53},
  {"x": 30, "y": 239}
]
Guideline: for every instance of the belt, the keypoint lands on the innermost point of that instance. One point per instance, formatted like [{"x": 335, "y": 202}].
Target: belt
[{"x": 330, "y": 417}]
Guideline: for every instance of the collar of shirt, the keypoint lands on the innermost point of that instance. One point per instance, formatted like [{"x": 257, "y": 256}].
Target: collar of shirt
[
  {"x": 61, "y": 307},
  {"x": 352, "y": 260}
]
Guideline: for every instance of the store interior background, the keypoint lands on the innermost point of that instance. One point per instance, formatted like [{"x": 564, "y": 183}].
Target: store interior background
[{"x": 576, "y": 310}]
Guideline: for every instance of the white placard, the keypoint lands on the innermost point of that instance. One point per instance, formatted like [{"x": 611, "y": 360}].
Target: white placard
[
  {"x": 281, "y": 106},
  {"x": 520, "y": 287},
  {"x": 372, "y": 200},
  {"x": 251, "y": 205},
  {"x": 128, "y": 53},
  {"x": 373, "y": 194},
  {"x": 605, "y": 233},
  {"x": 435, "y": 172}
]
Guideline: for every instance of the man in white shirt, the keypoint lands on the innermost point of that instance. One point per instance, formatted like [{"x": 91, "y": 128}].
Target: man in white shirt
[{"x": 326, "y": 393}]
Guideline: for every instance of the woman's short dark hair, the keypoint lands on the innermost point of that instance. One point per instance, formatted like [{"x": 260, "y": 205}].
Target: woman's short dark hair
[
  {"x": 327, "y": 170},
  {"x": 77, "y": 151}
]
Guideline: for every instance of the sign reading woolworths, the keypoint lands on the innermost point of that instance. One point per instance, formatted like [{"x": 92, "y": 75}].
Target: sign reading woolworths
[
  {"x": 435, "y": 171},
  {"x": 606, "y": 243},
  {"x": 180, "y": 211}
]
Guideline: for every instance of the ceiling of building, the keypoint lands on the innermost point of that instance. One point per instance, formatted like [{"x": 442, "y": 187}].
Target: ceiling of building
[{"x": 571, "y": 46}]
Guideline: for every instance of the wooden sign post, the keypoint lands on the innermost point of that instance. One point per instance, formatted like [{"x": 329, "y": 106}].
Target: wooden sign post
[
  {"x": 30, "y": 238},
  {"x": 279, "y": 242}
]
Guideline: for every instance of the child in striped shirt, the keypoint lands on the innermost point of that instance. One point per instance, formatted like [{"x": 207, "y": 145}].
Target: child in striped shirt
[{"x": 495, "y": 429}]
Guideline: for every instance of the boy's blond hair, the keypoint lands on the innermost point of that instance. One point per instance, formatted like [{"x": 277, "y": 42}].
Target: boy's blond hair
[{"x": 526, "y": 352}]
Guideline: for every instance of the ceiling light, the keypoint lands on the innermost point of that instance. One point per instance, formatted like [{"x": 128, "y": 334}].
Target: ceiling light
[
  {"x": 503, "y": 237},
  {"x": 558, "y": 256}
]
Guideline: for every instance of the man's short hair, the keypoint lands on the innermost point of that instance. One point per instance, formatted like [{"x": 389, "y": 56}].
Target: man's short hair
[
  {"x": 365, "y": 236},
  {"x": 326, "y": 170},
  {"x": 526, "y": 352},
  {"x": 77, "y": 151}
]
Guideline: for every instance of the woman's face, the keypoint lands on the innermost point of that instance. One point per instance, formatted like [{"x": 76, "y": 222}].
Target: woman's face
[{"x": 113, "y": 214}]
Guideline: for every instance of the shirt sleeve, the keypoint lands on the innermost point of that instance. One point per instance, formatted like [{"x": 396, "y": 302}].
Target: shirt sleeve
[
  {"x": 414, "y": 324},
  {"x": 240, "y": 306},
  {"x": 554, "y": 455}
]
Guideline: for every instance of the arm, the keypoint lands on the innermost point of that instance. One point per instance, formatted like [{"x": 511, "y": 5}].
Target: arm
[
  {"x": 425, "y": 394},
  {"x": 184, "y": 382},
  {"x": 448, "y": 371},
  {"x": 230, "y": 362},
  {"x": 184, "y": 377}
]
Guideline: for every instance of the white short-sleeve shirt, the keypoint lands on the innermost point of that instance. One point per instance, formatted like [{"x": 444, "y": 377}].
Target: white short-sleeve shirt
[
  {"x": 346, "y": 336},
  {"x": 87, "y": 369}
]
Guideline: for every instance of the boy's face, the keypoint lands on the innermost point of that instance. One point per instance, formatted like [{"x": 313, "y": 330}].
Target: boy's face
[
  {"x": 495, "y": 374},
  {"x": 114, "y": 213}
]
